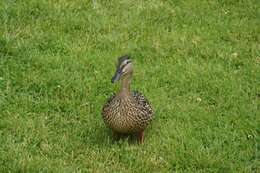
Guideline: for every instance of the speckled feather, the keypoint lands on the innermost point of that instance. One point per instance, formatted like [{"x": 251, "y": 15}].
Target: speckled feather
[{"x": 127, "y": 114}]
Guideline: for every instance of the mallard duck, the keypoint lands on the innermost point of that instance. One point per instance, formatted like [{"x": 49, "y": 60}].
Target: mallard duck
[{"x": 127, "y": 112}]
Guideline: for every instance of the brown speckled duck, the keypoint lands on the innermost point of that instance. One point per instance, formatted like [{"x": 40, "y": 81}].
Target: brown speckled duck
[{"x": 127, "y": 112}]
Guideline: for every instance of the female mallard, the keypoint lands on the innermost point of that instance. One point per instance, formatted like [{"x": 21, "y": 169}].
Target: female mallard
[{"x": 127, "y": 112}]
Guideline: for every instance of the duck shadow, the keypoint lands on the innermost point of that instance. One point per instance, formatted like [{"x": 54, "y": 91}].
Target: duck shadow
[{"x": 102, "y": 136}]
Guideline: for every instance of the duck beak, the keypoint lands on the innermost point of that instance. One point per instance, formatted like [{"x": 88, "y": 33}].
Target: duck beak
[{"x": 116, "y": 76}]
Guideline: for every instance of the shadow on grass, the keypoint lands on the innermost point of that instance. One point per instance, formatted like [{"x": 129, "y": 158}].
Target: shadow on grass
[{"x": 104, "y": 137}]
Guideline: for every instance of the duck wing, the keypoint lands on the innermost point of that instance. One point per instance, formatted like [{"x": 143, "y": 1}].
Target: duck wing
[{"x": 143, "y": 103}]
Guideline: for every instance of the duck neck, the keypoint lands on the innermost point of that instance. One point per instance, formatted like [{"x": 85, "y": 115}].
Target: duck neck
[{"x": 125, "y": 86}]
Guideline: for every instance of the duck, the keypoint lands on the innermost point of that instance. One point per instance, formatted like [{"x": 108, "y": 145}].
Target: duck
[{"x": 127, "y": 112}]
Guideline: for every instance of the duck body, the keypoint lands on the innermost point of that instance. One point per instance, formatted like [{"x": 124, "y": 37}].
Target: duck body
[{"x": 127, "y": 113}]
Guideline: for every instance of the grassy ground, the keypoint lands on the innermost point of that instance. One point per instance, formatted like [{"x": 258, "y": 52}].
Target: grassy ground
[{"x": 198, "y": 63}]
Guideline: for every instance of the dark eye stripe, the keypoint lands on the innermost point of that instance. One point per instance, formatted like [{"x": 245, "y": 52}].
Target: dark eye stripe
[
  {"x": 123, "y": 66},
  {"x": 127, "y": 62}
]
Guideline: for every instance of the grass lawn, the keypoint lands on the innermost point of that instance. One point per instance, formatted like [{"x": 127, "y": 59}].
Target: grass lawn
[{"x": 196, "y": 61}]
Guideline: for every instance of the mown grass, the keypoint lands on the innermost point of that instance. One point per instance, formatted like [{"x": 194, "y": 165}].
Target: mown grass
[{"x": 196, "y": 61}]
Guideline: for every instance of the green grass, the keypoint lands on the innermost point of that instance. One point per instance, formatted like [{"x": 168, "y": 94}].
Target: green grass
[{"x": 196, "y": 61}]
